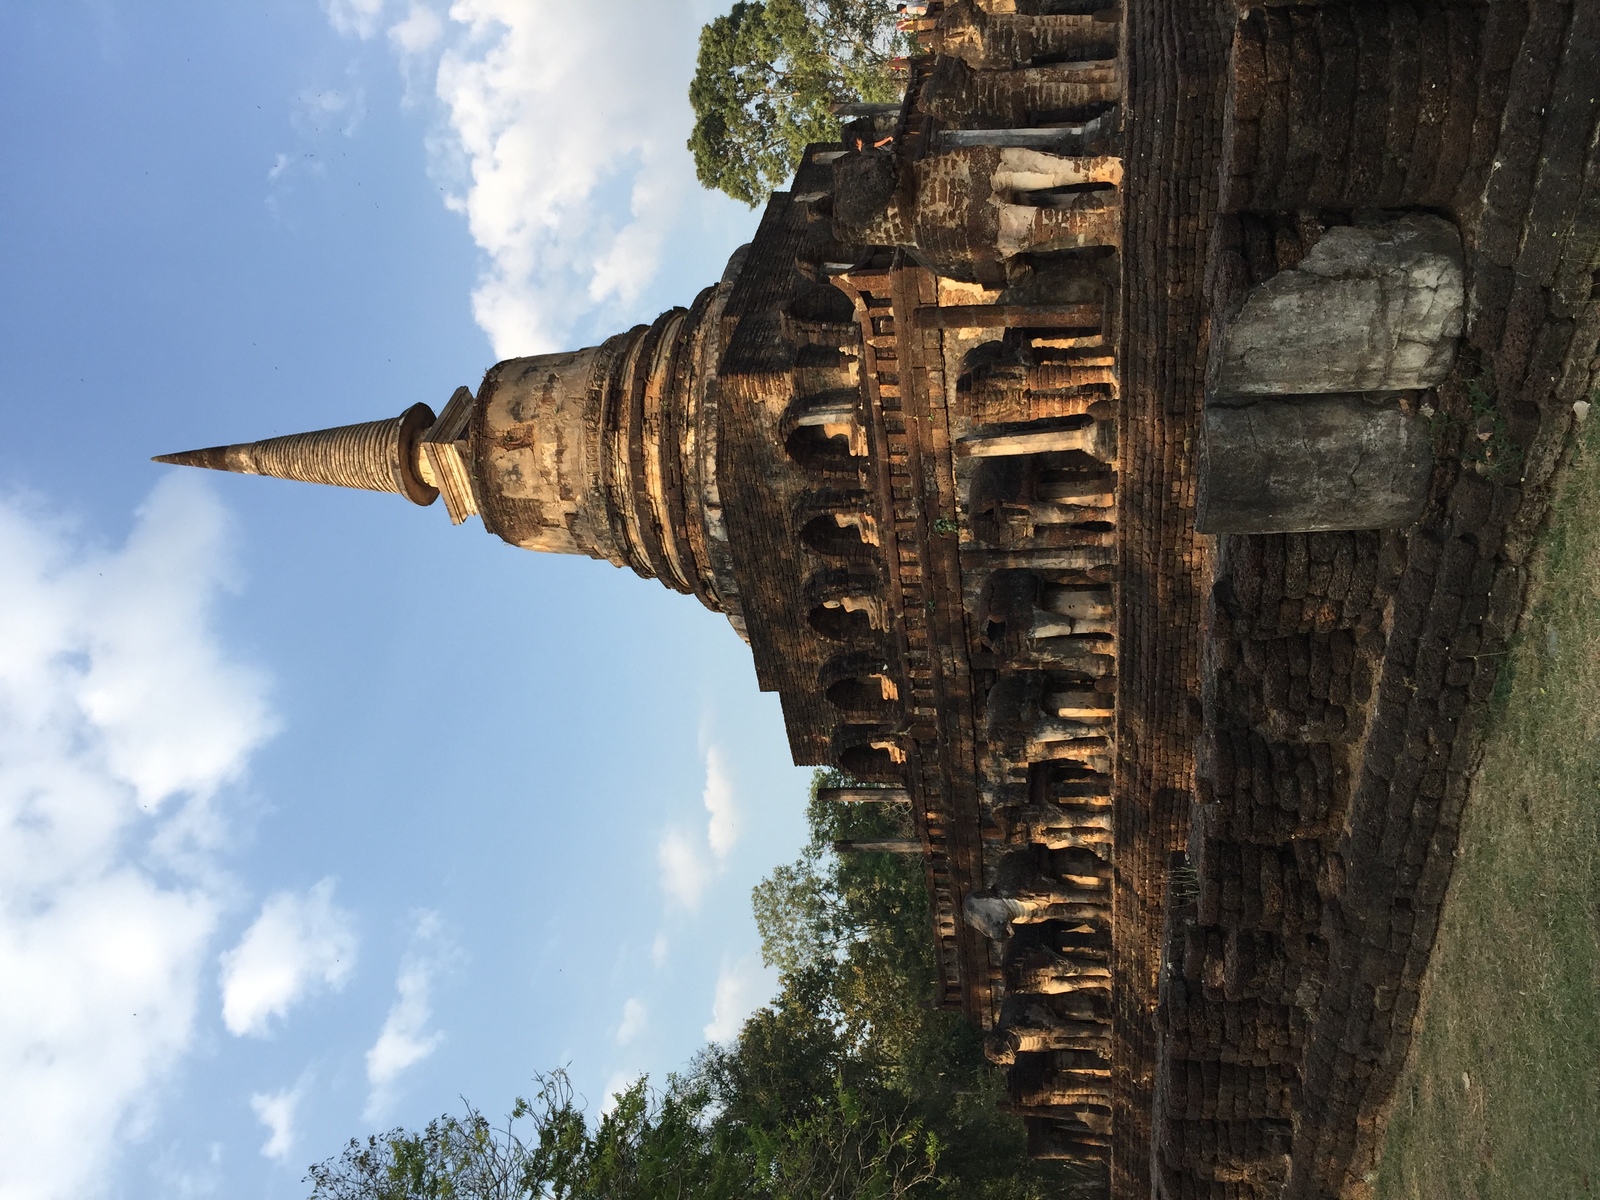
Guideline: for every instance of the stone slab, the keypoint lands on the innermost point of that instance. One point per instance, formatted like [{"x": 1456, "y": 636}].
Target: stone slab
[{"x": 1303, "y": 463}]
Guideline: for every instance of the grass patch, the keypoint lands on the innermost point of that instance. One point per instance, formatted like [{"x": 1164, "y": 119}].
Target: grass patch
[{"x": 1502, "y": 1098}]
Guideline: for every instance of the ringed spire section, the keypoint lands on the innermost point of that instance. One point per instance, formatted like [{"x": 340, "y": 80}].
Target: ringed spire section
[{"x": 376, "y": 456}]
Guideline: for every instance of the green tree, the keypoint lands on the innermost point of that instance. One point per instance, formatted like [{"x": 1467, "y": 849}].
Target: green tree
[
  {"x": 851, "y": 935},
  {"x": 647, "y": 1147},
  {"x": 768, "y": 76},
  {"x": 848, "y": 1085}
]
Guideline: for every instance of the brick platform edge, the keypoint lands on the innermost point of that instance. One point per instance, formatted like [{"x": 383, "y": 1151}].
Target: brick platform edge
[
  {"x": 1176, "y": 56},
  {"x": 1313, "y": 751}
]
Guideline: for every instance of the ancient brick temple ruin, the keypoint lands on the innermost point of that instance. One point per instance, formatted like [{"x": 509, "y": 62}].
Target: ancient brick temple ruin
[{"x": 1123, "y": 454}]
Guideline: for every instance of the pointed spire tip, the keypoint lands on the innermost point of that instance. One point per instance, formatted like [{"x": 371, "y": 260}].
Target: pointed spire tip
[{"x": 214, "y": 457}]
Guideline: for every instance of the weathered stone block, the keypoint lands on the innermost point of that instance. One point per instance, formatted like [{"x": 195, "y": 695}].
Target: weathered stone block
[
  {"x": 1311, "y": 463},
  {"x": 1371, "y": 307}
]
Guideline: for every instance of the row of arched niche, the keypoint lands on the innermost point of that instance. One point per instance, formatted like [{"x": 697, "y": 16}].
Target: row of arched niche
[
  {"x": 1055, "y": 501},
  {"x": 844, "y": 591}
]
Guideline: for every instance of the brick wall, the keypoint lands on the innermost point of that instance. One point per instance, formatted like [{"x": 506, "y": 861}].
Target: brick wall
[
  {"x": 1175, "y": 62},
  {"x": 1346, "y": 675}
]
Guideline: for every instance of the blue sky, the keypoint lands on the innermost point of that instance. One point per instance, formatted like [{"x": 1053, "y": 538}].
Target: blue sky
[{"x": 316, "y": 813}]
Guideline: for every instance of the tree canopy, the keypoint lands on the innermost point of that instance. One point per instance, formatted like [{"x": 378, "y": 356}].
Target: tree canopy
[
  {"x": 848, "y": 1085},
  {"x": 768, "y": 76}
]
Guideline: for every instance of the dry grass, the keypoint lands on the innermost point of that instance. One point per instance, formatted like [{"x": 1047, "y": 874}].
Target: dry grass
[{"x": 1502, "y": 1098}]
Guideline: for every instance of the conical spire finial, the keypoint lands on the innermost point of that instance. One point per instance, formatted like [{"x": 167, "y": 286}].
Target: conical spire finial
[{"x": 379, "y": 456}]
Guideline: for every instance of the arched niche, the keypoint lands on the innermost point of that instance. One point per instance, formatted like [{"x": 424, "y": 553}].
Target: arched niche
[
  {"x": 821, "y": 305},
  {"x": 822, "y": 368},
  {"x": 823, "y": 406},
  {"x": 822, "y": 433},
  {"x": 872, "y": 754},
  {"x": 839, "y": 621},
  {"x": 816, "y": 356},
  {"x": 846, "y": 606},
  {"x": 873, "y": 764},
  {"x": 874, "y": 695},
  {"x": 821, "y": 450},
  {"x": 839, "y": 535},
  {"x": 861, "y": 685}
]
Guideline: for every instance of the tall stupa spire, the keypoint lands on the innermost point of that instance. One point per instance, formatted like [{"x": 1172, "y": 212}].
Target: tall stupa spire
[
  {"x": 378, "y": 456},
  {"x": 608, "y": 451}
]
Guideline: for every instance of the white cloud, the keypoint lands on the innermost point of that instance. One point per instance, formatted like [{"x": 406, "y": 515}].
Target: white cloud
[
  {"x": 723, "y": 831},
  {"x": 547, "y": 107},
  {"x": 684, "y": 869},
  {"x": 404, "y": 1040},
  {"x": 121, "y": 717},
  {"x": 634, "y": 1017},
  {"x": 537, "y": 158},
  {"x": 742, "y": 987},
  {"x": 276, "y": 1110},
  {"x": 658, "y": 950},
  {"x": 355, "y": 18},
  {"x": 297, "y": 945},
  {"x": 686, "y": 866},
  {"x": 418, "y": 32}
]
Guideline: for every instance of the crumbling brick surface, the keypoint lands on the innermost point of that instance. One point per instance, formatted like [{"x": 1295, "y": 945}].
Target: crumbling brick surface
[
  {"x": 1368, "y": 104},
  {"x": 767, "y": 324},
  {"x": 1176, "y": 75},
  {"x": 1346, "y": 675}
]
